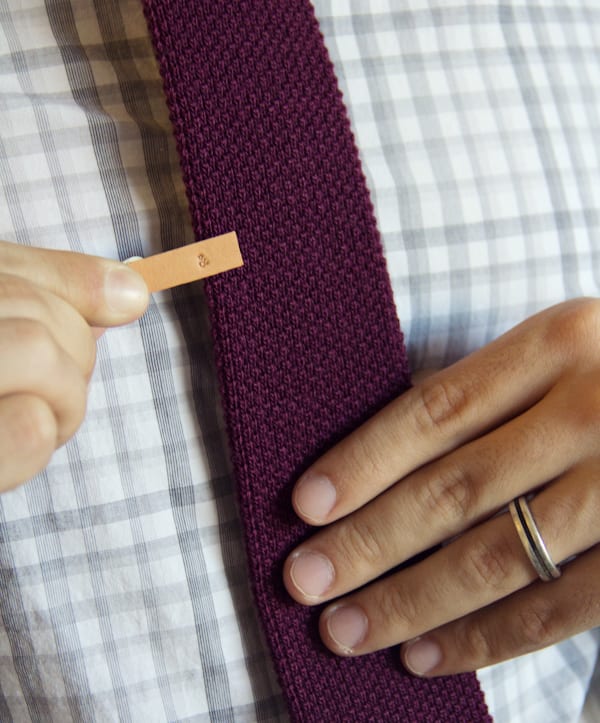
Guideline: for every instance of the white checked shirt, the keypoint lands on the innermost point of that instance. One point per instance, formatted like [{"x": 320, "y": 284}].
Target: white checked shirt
[{"x": 123, "y": 591}]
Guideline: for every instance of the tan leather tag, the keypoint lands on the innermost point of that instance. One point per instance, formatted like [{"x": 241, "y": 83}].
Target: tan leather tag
[{"x": 189, "y": 263}]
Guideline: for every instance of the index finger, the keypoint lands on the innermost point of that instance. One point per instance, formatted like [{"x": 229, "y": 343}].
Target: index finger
[
  {"x": 446, "y": 410},
  {"x": 104, "y": 292}
]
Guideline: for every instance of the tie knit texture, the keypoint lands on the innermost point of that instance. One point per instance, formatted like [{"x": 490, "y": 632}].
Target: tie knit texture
[{"x": 306, "y": 336}]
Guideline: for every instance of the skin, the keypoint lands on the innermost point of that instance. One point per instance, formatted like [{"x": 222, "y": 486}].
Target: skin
[
  {"x": 53, "y": 307},
  {"x": 438, "y": 466},
  {"x": 520, "y": 415}
]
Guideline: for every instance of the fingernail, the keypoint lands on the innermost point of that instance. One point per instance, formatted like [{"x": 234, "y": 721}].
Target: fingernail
[
  {"x": 312, "y": 573},
  {"x": 314, "y": 496},
  {"x": 347, "y": 625},
  {"x": 421, "y": 655},
  {"x": 125, "y": 291}
]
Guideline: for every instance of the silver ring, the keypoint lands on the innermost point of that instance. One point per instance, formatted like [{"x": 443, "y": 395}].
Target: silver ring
[{"x": 532, "y": 540}]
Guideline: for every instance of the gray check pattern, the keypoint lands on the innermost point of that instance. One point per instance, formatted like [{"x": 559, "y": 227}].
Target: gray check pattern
[{"x": 123, "y": 590}]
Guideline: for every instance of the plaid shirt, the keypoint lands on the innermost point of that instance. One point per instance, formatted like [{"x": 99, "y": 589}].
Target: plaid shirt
[{"x": 124, "y": 592}]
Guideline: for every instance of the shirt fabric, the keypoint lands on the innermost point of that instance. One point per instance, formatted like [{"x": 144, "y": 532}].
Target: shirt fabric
[{"x": 124, "y": 592}]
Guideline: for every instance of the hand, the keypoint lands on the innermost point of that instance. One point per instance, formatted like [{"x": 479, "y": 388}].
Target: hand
[
  {"x": 434, "y": 466},
  {"x": 49, "y": 302}
]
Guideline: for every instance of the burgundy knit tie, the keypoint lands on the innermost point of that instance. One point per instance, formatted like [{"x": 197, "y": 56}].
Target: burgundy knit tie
[{"x": 306, "y": 336}]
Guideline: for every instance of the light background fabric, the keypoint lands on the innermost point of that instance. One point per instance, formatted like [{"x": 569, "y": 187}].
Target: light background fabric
[{"x": 123, "y": 589}]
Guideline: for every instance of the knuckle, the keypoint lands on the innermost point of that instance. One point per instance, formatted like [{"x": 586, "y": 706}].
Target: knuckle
[
  {"x": 536, "y": 625},
  {"x": 441, "y": 406},
  {"x": 448, "y": 494},
  {"x": 574, "y": 330},
  {"x": 565, "y": 512},
  {"x": 358, "y": 543},
  {"x": 395, "y": 608},
  {"x": 39, "y": 350},
  {"x": 37, "y": 342},
  {"x": 584, "y": 417},
  {"x": 366, "y": 456},
  {"x": 33, "y": 427},
  {"x": 476, "y": 643},
  {"x": 487, "y": 565}
]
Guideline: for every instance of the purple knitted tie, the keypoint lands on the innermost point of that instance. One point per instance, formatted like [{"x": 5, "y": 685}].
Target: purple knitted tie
[{"x": 306, "y": 337}]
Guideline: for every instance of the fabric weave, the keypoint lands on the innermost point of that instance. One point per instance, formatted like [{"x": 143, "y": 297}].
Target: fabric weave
[{"x": 307, "y": 341}]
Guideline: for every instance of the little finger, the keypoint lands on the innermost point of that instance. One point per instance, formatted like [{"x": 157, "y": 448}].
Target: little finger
[{"x": 531, "y": 619}]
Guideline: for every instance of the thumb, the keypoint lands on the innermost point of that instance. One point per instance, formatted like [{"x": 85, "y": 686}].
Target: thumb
[{"x": 104, "y": 292}]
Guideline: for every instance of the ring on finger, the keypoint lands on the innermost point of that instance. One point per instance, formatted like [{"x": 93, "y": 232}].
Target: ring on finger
[{"x": 532, "y": 541}]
